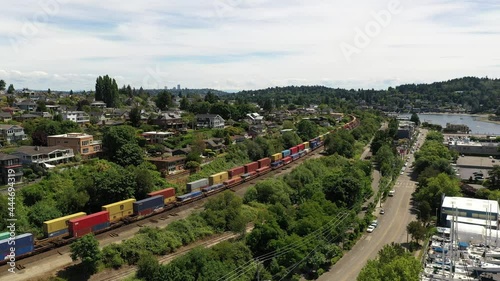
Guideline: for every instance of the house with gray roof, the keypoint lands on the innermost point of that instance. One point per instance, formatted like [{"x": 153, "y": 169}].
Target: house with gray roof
[
  {"x": 43, "y": 155},
  {"x": 11, "y": 133}
]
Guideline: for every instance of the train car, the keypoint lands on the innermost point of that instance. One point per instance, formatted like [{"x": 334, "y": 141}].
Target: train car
[
  {"x": 190, "y": 197},
  {"x": 218, "y": 178},
  {"x": 306, "y": 145},
  {"x": 287, "y": 160},
  {"x": 89, "y": 224},
  {"x": 264, "y": 162},
  {"x": 277, "y": 164},
  {"x": 119, "y": 210},
  {"x": 313, "y": 144},
  {"x": 213, "y": 189},
  {"x": 263, "y": 170},
  {"x": 276, "y": 157},
  {"x": 251, "y": 167},
  {"x": 249, "y": 176},
  {"x": 59, "y": 226},
  {"x": 295, "y": 156},
  {"x": 294, "y": 150},
  {"x": 149, "y": 205},
  {"x": 233, "y": 182},
  {"x": 167, "y": 193},
  {"x": 4, "y": 235},
  {"x": 302, "y": 153},
  {"x": 197, "y": 185},
  {"x": 24, "y": 244},
  {"x": 285, "y": 153},
  {"x": 302, "y": 146},
  {"x": 234, "y": 172}
]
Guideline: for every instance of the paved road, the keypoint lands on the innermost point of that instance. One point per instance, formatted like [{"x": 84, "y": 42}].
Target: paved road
[{"x": 391, "y": 228}]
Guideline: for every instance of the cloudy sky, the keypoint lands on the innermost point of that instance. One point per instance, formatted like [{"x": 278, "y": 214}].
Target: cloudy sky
[{"x": 247, "y": 44}]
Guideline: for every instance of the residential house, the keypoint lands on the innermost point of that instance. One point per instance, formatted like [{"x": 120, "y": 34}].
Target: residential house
[
  {"x": 209, "y": 121},
  {"x": 254, "y": 118},
  {"x": 181, "y": 151},
  {"x": 79, "y": 117},
  {"x": 11, "y": 133},
  {"x": 169, "y": 165},
  {"x": 98, "y": 104},
  {"x": 5, "y": 116},
  {"x": 42, "y": 155},
  {"x": 43, "y": 114},
  {"x": 81, "y": 143},
  {"x": 53, "y": 107},
  {"x": 256, "y": 130},
  {"x": 26, "y": 116},
  {"x": 26, "y": 105},
  {"x": 157, "y": 137},
  {"x": 169, "y": 120},
  {"x": 10, "y": 167},
  {"x": 215, "y": 144}
]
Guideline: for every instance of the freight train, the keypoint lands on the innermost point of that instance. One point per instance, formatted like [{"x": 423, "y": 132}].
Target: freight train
[{"x": 66, "y": 229}]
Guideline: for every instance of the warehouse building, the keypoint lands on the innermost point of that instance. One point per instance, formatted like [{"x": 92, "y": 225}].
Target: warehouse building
[{"x": 470, "y": 211}]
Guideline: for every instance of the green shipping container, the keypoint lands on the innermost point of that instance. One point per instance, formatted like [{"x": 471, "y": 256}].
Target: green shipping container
[{"x": 4, "y": 235}]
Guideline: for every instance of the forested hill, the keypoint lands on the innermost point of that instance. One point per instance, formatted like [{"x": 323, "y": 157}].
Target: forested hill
[{"x": 470, "y": 93}]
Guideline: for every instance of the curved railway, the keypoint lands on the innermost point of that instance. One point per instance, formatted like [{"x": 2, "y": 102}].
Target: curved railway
[{"x": 157, "y": 207}]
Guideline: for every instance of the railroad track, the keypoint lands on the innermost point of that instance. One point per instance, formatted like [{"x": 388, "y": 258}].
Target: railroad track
[{"x": 124, "y": 273}]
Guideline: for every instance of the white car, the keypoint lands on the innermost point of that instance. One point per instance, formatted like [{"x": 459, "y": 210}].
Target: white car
[{"x": 370, "y": 229}]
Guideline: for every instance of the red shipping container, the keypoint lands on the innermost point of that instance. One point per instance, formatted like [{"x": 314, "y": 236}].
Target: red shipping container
[
  {"x": 263, "y": 170},
  {"x": 251, "y": 167},
  {"x": 232, "y": 181},
  {"x": 264, "y": 162},
  {"x": 294, "y": 150},
  {"x": 301, "y": 147},
  {"x": 87, "y": 222},
  {"x": 287, "y": 160},
  {"x": 168, "y": 192},
  {"x": 236, "y": 171},
  {"x": 145, "y": 212}
]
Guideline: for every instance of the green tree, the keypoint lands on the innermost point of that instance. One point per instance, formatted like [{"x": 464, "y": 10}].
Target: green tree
[
  {"x": 114, "y": 138},
  {"x": 87, "y": 250},
  {"x": 211, "y": 97},
  {"x": 414, "y": 118},
  {"x": 11, "y": 89},
  {"x": 417, "y": 230},
  {"x": 164, "y": 100},
  {"x": 290, "y": 139},
  {"x": 494, "y": 180},
  {"x": 135, "y": 116},
  {"x": 129, "y": 154},
  {"x": 342, "y": 143},
  {"x": 2, "y": 85},
  {"x": 106, "y": 90},
  {"x": 307, "y": 130}
]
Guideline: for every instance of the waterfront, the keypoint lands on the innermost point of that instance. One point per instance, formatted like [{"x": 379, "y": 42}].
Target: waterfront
[{"x": 474, "y": 122}]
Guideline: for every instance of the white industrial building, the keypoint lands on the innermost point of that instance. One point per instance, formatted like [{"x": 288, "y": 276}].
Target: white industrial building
[{"x": 470, "y": 211}]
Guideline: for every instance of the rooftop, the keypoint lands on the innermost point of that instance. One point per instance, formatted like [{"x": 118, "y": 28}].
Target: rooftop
[
  {"x": 35, "y": 150},
  {"x": 71, "y": 135},
  {"x": 4, "y": 156},
  {"x": 472, "y": 204},
  {"x": 476, "y": 161}
]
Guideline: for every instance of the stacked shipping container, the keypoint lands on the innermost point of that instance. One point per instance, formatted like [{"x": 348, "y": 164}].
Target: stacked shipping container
[
  {"x": 197, "y": 185},
  {"x": 147, "y": 206},
  {"x": 120, "y": 209},
  {"x": 218, "y": 178},
  {"x": 167, "y": 193},
  {"x": 23, "y": 244},
  {"x": 59, "y": 226},
  {"x": 87, "y": 224}
]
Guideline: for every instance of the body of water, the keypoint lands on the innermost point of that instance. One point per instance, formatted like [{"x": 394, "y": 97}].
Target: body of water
[{"x": 476, "y": 126}]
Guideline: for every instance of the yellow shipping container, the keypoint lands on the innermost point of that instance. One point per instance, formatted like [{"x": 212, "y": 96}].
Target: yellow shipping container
[
  {"x": 169, "y": 200},
  {"x": 56, "y": 226},
  {"x": 218, "y": 178},
  {"x": 120, "y": 209},
  {"x": 322, "y": 137},
  {"x": 276, "y": 157},
  {"x": 306, "y": 144}
]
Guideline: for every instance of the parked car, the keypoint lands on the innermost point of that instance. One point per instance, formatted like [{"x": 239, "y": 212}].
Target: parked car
[
  {"x": 382, "y": 211},
  {"x": 370, "y": 229}
]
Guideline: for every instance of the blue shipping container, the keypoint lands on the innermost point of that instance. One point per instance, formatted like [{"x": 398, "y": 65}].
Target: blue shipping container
[
  {"x": 285, "y": 153},
  {"x": 100, "y": 226},
  {"x": 190, "y": 195},
  {"x": 212, "y": 187},
  {"x": 58, "y": 233},
  {"x": 21, "y": 241},
  {"x": 295, "y": 156},
  {"x": 18, "y": 251},
  {"x": 154, "y": 202},
  {"x": 276, "y": 164}
]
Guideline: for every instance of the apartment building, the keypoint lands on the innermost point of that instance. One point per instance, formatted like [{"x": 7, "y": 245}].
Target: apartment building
[{"x": 81, "y": 143}]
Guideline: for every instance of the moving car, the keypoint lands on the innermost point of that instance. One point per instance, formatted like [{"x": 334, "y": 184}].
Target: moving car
[{"x": 382, "y": 211}]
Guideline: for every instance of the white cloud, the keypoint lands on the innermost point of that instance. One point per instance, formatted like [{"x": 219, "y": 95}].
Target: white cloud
[{"x": 240, "y": 44}]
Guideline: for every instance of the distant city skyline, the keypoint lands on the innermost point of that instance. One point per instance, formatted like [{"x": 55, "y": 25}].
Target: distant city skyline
[{"x": 233, "y": 45}]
